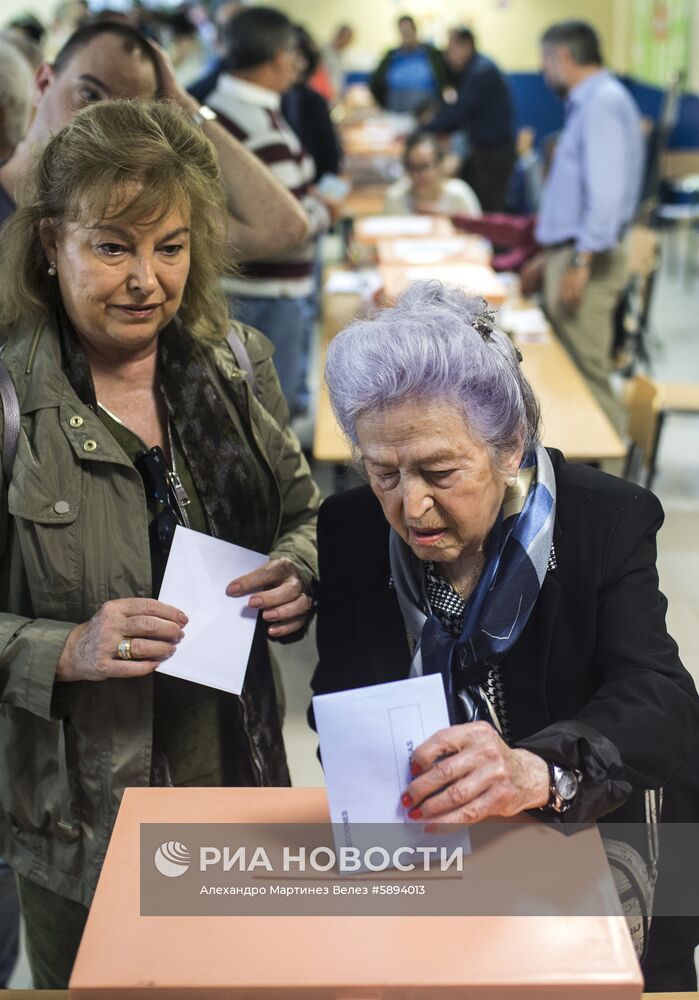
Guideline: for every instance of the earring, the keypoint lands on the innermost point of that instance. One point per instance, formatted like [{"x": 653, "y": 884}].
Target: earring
[
  {"x": 52, "y": 268},
  {"x": 511, "y": 482}
]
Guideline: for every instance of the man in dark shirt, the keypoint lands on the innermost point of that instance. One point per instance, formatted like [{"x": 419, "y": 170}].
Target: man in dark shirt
[{"x": 483, "y": 110}]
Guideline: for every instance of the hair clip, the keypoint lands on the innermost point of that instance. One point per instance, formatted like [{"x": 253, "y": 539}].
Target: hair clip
[
  {"x": 518, "y": 354},
  {"x": 483, "y": 325}
]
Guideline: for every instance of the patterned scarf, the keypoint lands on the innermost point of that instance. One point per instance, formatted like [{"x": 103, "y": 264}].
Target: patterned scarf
[
  {"x": 237, "y": 490},
  {"x": 516, "y": 559}
]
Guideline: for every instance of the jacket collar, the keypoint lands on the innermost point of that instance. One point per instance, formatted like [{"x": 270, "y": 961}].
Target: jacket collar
[
  {"x": 586, "y": 89},
  {"x": 234, "y": 88},
  {"x": 33, "y": 356},
  {"x": 557, "y": 461}
]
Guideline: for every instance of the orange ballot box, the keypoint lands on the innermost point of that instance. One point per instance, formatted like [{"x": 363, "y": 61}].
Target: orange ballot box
[{"x": 262, "y": 953}]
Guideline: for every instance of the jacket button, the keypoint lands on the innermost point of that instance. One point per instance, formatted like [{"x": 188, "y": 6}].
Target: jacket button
[
  {"x": 90, "y": 445},
  {"x": 76, "y": 421},
  {"x": 61, "y": 506}
]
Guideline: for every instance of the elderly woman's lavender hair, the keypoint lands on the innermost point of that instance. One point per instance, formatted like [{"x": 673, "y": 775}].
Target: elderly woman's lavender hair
[{"x": 436, "y": 343}]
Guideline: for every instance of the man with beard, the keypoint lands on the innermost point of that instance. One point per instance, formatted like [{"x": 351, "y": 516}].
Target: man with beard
[{"x": 588, "y": 203}]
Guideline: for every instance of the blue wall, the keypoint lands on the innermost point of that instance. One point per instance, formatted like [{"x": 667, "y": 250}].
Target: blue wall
[{"x": 537, "y": 106}]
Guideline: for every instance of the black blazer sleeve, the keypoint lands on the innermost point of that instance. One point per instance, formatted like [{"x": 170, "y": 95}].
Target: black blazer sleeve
[{"x": 640, "y": 723}]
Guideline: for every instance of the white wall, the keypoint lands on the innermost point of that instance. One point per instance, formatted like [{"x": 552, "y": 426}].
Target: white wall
[
  {"x": 507, "y": 30},
  {"x": 43, "y": 9}
]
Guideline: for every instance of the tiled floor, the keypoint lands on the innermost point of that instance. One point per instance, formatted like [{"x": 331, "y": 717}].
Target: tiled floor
[{"x": 675, "y": 322}]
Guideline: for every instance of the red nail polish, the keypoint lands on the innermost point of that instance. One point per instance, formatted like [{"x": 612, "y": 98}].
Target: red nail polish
[
  {"x": 415, "y": 769},
  {"x": 415, "y": 813},
  {"x": 407, "y": 801}
]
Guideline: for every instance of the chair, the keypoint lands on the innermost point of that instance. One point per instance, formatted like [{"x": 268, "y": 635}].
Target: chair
[
  {"x": 649, "y": 402},
  {"x": 674, "y": 398},
  {"x": 632, "y": 314},
  {"x": 642, "y": 398}
]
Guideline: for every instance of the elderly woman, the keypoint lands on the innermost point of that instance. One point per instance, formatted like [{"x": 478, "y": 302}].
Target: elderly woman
[
  {"x": 424, "y": 188},
  {"x": 135, "y": 416},
  {"x": 527, "y": 582}
]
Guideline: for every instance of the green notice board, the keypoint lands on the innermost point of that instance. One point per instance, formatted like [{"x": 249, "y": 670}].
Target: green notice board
[{"x": 661, "y": 34}]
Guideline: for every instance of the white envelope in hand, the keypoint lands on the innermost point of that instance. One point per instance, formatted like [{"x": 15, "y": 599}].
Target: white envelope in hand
[
  {"x": 217, "y": 640},
  {"x": 367, "y": 739}
]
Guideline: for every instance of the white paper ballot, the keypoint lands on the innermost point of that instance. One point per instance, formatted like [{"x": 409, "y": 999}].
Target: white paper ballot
[
  {"x": 367, "y": 738},
  {"x": 218, "y": 636}
]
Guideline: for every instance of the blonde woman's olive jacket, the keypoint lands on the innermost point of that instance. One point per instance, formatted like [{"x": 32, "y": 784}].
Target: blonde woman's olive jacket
[{"x": 74, "y": 534}]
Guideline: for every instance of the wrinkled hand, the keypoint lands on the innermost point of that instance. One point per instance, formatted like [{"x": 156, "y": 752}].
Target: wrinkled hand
[
  {"x": 276, "y": 588},
  {"x": 90, "y": 652},
  {"x": 572, "y": 288},
  {"x": 466, "y": 773}
]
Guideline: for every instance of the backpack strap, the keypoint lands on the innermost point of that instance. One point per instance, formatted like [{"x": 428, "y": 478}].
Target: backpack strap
[
  {"x": 10, "y": 434},
  {"x": 242, "y": 357}
]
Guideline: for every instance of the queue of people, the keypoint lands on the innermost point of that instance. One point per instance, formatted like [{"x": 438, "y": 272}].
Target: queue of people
[{"x": 162, "y": 254}]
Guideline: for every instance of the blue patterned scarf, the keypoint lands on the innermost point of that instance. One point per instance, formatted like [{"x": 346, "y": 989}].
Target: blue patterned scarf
[{"x": 516, "y": 559}]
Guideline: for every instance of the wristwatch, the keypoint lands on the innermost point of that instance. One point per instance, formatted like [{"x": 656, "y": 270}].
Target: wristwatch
[
  {"x": 581, "y": 258},
  {"x": 203, "y": 114},
  {"x": 563, "y": 787}
]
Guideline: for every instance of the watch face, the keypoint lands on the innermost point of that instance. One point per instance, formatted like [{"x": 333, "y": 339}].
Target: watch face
[{"x": 566, "y": 785}]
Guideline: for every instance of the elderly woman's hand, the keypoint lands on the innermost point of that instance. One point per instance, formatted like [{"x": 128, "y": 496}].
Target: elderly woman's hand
[
  {"x": 150, "y": 629},
  {"x": 467, "y": 773},
  {"x": 276, "y": 588}
]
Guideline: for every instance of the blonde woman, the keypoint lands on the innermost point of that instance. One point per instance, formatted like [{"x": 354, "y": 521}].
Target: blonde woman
[{"x": 135, "y": 416}]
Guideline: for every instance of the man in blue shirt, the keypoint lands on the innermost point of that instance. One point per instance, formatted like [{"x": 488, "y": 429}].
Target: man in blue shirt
[
  {"x": 588, "y": 203},
  {"x": 483, "y": 110},
  {"x": 410, "y": 77}
]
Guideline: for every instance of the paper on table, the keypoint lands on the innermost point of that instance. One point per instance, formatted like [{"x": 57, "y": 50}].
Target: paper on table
[
  {"x": 218, "y": 636},
  {"x": 353, "y": 282},
  {"x": 528, "y": 326},
  {"x": 429, "y": 251},
  {"x": 367, "y": 738},
  {"x": 477, "y": 279},
  {"x": 398, "y": 225}
]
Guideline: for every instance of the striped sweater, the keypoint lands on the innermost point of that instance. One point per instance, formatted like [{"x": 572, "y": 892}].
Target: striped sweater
[{"x": 252, "y": 114}]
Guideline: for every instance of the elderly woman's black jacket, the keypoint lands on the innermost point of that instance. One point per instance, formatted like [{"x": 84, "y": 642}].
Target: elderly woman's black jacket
[{"x": 594, "y": 681}]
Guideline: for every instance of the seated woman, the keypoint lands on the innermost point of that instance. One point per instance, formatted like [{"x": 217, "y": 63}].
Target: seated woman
[
  {"x": 425, "y": 189},
  {"x": 135, "y": 416},
  {"x": 527, "y": 582}
]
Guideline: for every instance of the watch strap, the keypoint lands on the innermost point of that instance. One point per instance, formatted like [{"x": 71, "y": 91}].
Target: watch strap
[
  {"x": 556, "y": 801},
  {"x": 203, "y": 114}
]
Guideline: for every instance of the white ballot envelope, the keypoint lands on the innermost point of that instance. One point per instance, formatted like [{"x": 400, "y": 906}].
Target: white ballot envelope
[
  {"x": 367, "y": 739},
  {"x": 218, "y": 637}
]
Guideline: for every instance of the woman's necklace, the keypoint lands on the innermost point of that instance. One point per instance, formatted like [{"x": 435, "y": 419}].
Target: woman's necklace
[{"x": 474, "y": 571}]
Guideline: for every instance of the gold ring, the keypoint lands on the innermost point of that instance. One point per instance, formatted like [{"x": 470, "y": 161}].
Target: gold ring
[{"x": 124, "y": 650}]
